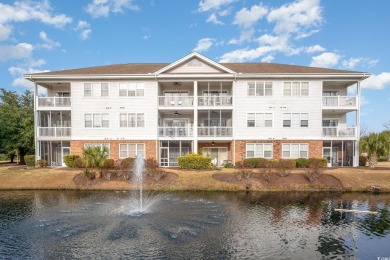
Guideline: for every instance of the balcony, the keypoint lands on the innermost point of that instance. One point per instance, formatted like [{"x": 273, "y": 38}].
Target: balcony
[
  {"x": 338, "y": 132},
  {"x": 339, "y": 101},
  {"x": 54, "y": 131},
  {"x": 215, "y": 100},
  {"x": 175, "y": 101},
  {"x": 215, "y": 131},
  {"x": 175, "y": 131},
  {"x": 50, "y": 102}
]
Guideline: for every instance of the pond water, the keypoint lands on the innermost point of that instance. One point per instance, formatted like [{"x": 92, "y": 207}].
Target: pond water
[{"x": 193, "y": 225}]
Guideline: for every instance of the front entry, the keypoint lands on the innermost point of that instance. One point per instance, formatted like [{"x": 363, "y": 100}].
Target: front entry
[
  {"x": 218, "y": 155},
  {"x": 331, "y": 156},
  {"x": 65, "y": 152}
]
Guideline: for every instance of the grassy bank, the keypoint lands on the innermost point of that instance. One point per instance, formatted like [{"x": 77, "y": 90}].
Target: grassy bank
[{"x": 352, "y": 179}]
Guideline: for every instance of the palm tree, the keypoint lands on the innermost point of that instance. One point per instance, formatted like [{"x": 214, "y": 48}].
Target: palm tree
[
  {"x": 95, "y": 157},
  {"x": 375, "y": 144}
]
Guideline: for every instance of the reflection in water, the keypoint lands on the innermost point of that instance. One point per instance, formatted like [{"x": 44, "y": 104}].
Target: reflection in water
[{"x": 196, "y": 225}]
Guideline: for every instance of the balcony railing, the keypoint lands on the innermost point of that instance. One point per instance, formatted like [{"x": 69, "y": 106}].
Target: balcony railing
[
  {"x": 179, "y": 101},
  {"x": 175, "y": 131},
  {"x": 215, "y": 131},
  {"x": 338, "y": 132},
  {"x": 339, "y": 101},
  {"x": 54, "y": 131},
  {"x": 53, "y": 101},
  {"x": 215, "y": 101}
]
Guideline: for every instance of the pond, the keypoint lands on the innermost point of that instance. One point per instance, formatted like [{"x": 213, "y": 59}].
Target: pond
[{"x": 193, "y": 225}]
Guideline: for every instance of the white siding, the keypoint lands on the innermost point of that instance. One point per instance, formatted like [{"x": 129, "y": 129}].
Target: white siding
[
  {"x": 114, "y": 105},
  {"x": 277, "y": 104}
]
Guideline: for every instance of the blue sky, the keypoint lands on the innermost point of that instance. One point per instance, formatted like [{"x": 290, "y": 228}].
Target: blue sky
[{"x": 53, "y": 35}]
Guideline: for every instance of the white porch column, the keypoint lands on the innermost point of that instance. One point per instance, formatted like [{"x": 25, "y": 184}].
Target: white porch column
[
  {"x": 195, "y": 123},
  {"x": 37, "y": 155},
  {"x": 356, "y": 157}
]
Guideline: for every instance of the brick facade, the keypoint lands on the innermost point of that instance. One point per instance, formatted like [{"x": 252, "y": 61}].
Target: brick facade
[
  {"x": 76, "y": 146},
  {"x": 315, "y": 147}
]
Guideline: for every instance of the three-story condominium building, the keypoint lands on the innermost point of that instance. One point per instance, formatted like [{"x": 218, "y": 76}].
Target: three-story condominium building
[{"x": 230, "y": 111}]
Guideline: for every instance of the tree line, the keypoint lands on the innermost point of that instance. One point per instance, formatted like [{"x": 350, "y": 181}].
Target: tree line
[{"x": 16, "y": 124}]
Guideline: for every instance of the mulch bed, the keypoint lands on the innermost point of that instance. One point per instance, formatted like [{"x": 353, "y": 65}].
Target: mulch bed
[
  {"x": 81, "y": 180},
  {"x": 294, "y": 181}
]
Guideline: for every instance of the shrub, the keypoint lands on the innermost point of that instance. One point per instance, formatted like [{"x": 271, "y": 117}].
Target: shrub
[
  {"x": 267, "y": 170},
  {"x": 316, "y": 169},
  {"x": 195, "y": 161},
  {"x": 362, "y": 160},
  {"x": 228, "y": 165},
  {"x": 71, "y": 160},
  {"x": 284, "y": 167},
  {"x": 80, "y": 162},
  {"x": 127, "y": 163},
  {"x": 109, "y": 163},
  {"x": 255, "y": 162},
  {"x": 30, "y": 159},
  {"x": 302, "y": 163},
  {"x": 151, "y": 164},
  {"x": 42, "y": 163},
  {"x": 382, "y": 159}
]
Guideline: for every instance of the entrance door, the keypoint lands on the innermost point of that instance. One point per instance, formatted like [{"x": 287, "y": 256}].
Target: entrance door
[
  {"x": 65, "y": 151},
  {"x": 217, "y": 154},
  {"x": 331, "y": 156},
  {"x": 164, "y": 159}
]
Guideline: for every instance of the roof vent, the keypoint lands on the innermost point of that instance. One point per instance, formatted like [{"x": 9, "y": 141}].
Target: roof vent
[{"x": 194, "y": 63}]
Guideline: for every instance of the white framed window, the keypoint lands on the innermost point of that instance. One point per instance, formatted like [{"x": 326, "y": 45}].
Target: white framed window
[
  {"x": 98, "y": 120},
  {"x": 96, "y": 90},
  {"x": 295, "y": 120},
  {"x": 101, "y": 145},
  {"x": 330, "y": 122},
  {"x": 254, "y": 150},
  {"x": 131, "y": 120},
  {"x": 296, "y": 88},
  {"x": 259, "y": 120},
  {"x": 131, "y": 150},
  {"x": 259, "y": 88},
  {"x": 131, "y": 89},
  {"x": 294, "y": 151}
]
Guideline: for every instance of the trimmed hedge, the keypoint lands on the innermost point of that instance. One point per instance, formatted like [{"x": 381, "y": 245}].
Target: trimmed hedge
[
  {"x": 71, "y": 160},
  {"x": 255, "y": 162},
  {"x": 195, "y": 161},
  {"x": 363, "y": 160},
  {"x": 302, "y": 162},
  {"x": 322, "y": 162},
  {"x": 127, "y": 163},
  {"x": 30, "y": 159},
  {"x": 109, "y": 163},
  {"x": 42, "y": 163}
]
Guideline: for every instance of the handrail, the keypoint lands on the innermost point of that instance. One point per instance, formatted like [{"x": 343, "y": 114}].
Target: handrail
[
  {"x": 339, "y": 101},
  {"x": 54, "y": 131},
  {"x": 339, "y": 131},
  {"x": 176, "y": 101},
  {"x": 175, "y": 131},
  {"x": 215, "y": 100},
  {"x": 215, "y": 131},
  {"x": 53, "y": 101}
]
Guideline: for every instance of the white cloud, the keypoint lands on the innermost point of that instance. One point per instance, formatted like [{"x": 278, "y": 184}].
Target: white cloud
[
  {"x": 315, "y": 48},
  {"x": 379, "y": 81},
  {"x": 246, "y": 36},
  {"x": 84, "y": 29},
  {"x": 224, "y": 12},
  {"x": 364, "y": 101},
  {"x": 19, "y": 51},
  {"x": 351, "y": 63},
  {"x": 23, "y": 11},
  {"x": 5, "y": 32},
  {"x": 267, "y": 59},
  {"x": 325, "y": 60},
  {"x": 207, "y": 5},
  {"x": 204, "y": 44},
  {"x": 213, "y": 19},
  {"x": 47, "y": 44},
  {"x": 246, "y": 18},
  {"x": 31, "y": 67},
  {"x": 102, "y": 8},
  {"x": 297, "y": 17}
]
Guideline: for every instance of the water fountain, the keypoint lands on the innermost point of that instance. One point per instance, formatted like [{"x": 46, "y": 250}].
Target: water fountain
[{"x": 138, "y": 178}]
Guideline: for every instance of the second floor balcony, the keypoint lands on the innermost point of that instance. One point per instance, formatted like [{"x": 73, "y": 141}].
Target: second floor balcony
[
  {"x": 339, "y": 101},
  {"x": 175, "y": 101},
  {"x": 215, "y": 131},
  {"x": 339, "y": 132},
  {"x": 175, "y": 131},
  {"x": 215, "y": 101},
  {"x": 57, "y": 132},
  {"x": 53, "y": 102}
]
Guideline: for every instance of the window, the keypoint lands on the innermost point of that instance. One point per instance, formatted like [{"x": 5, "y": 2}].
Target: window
[
  {"x": 259, "y": 150},
  {"x": 96, "y": 89},
  {"x": 260, "y": 88},
  {"x": 295, "y": 151},
  {"x": 295, "y": 120},
  {"x": 259, "y": 120},
  {"x": 330, "y": 122},
  {"x": 296, "y": 88},
  {"x": 131, "y": 120},
  {"x": 131, "y": 150},
  {"x": 101, "y": 145},
  {"x": 131, "y": 89},
  {"x": 97, "y": 120}
]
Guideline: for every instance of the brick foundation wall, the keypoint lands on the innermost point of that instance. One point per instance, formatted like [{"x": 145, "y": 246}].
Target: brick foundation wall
[
  {"x": 76, "y": 146},
  {"x": 315, "y": 147}
]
